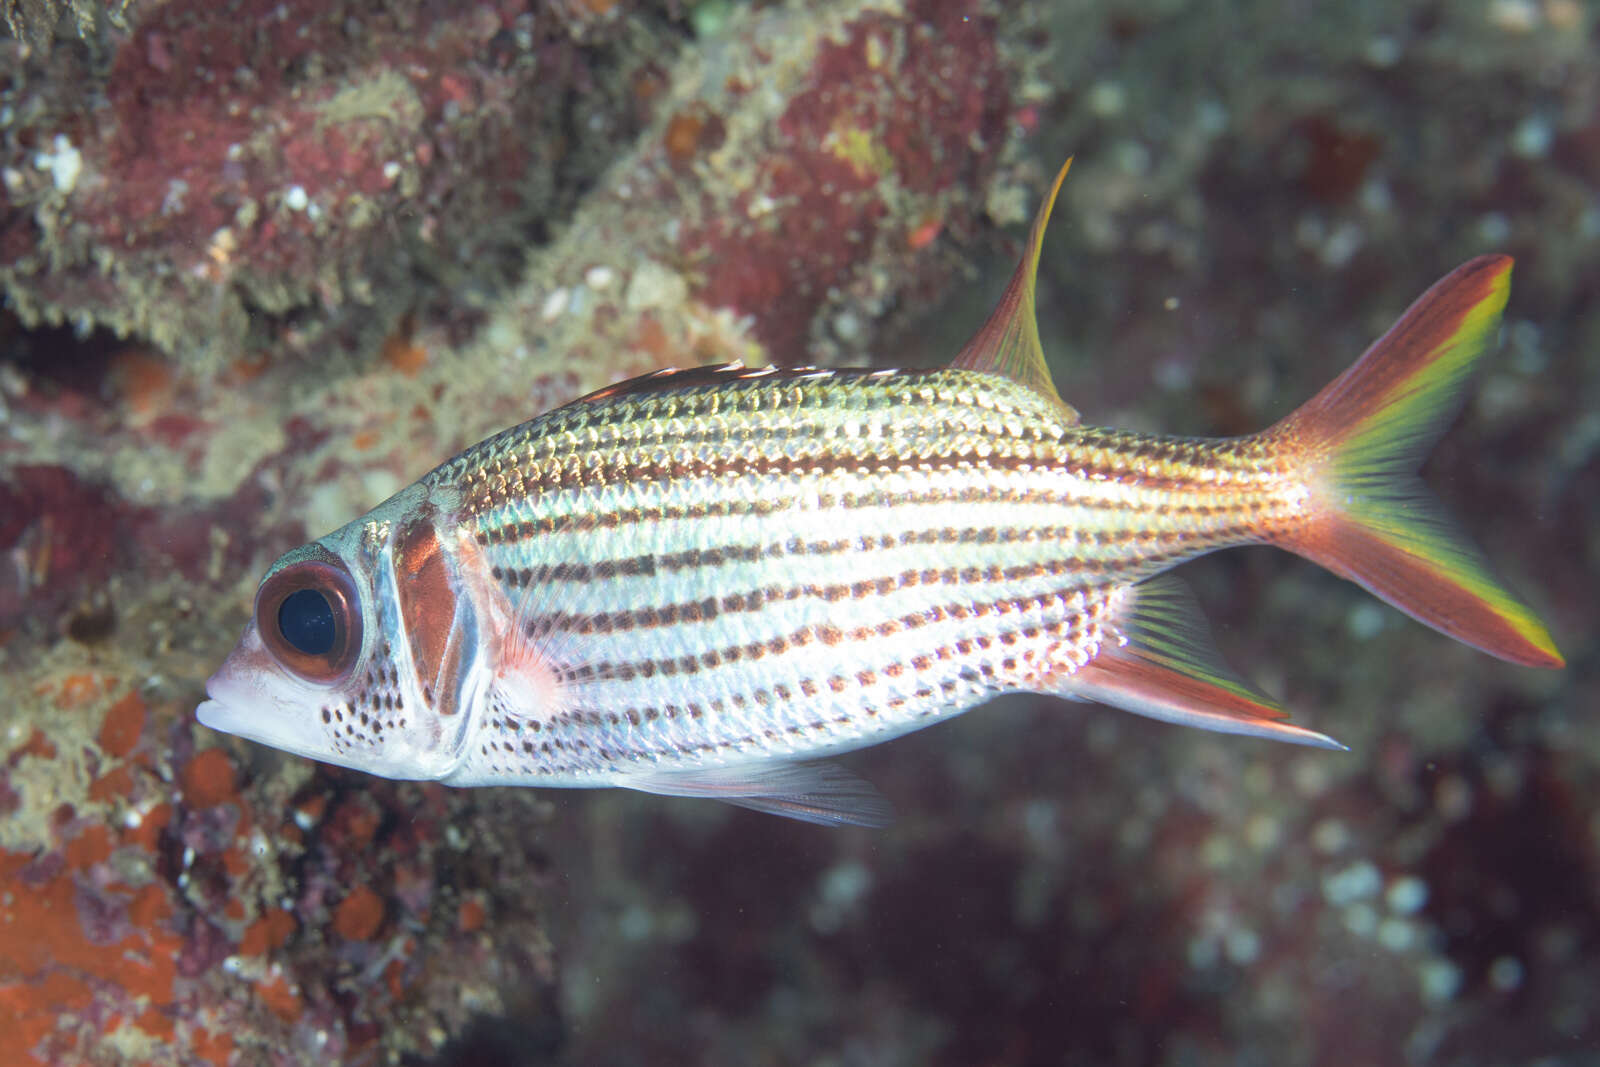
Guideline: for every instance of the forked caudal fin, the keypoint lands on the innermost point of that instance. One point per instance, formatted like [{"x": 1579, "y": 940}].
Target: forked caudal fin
[{"x": 1360, "y": 442}]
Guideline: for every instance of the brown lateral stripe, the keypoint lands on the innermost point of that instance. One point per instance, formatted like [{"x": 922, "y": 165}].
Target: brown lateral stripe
[
  {"x": 576, "y": 474},
  {"x": 950, "y": 405},
  {"x": 699, "y": 431},
  {"x": 587, "y": 522},
  {"x": 1151, "y": 464},
  {"x": 693, "y": 663},
  {"x": 981, "y": 674},
  {"x": 704, "y": 609},
  {"x": 489, "y": 532},
  {"x": 957, "y": 409},
  {"x": 549, "y": 461},
  {"x": 648, "y": 564}
]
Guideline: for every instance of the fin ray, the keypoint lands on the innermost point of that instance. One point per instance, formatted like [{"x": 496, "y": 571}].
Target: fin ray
[
  {"x": 1169, "y": 668},
  {"x": 815, "y": 791},
  {"x": 1008, "y": 342},
  {"x": 1362, "y": 439}
]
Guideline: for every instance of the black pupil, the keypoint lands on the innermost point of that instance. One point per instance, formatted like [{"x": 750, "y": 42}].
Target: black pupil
[{"x": 305, "y": 619}]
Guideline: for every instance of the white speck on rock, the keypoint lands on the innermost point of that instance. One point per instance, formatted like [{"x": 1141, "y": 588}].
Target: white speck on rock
[
  {"x": 1365, "y": 621},
  {"x": 380, "y": 484},
  {"x": 1376, "y": 197},
  {"x": 172, "y": 203},
  {"x": 1440, "y": 980},
  {"x": 1358, "y": 881},
  {"x": 63, "y": 161},
  {"x": 655, "y": 286},
  {"x": 846, "y": 326},
  {"x": 839, "y": 893},
  {"x": 1505, "y": 973},
  {"x": 555, "y": 305},
  {"x": 636, "y": 923},
  {"x": 1514, "y": 16},
  {"x": 1397, "y": 935},
  {"x": 1107, "y": 99},
  {"x": 1406, "y": 895},
  {"x": 1342, "y": 244},
  {"x": 295, "y": 198},
  {"x": 1531, "y": 139},
  {"x": 1494, "y": 228},
  {"x": 1243, "y": 946},
  {"x": 1382, "y": 52}
]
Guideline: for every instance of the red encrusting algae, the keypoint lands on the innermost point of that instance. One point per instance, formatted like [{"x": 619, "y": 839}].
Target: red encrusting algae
[
  {"x": 880, "y": 133},
  {"x": 271, "y": 931},
  {"x": 123, "y": 723},
  {"x": 116, "y": 923},
  {"x": 359, "y": 915},
  {"x": 208, "y": 780},
  {"x": 68, "y": 946}
]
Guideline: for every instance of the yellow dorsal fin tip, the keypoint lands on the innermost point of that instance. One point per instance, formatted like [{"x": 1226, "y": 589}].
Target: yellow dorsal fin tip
[{"x": 1008, "y": 342}]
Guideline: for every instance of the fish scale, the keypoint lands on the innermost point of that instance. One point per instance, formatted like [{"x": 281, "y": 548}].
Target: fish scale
[
  {"x": 697, "y": 582},
  {"x": 905, "y": 614}
]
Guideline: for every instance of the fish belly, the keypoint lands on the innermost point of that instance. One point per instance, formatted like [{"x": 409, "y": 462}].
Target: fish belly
[{"x": 737, "y": 619}]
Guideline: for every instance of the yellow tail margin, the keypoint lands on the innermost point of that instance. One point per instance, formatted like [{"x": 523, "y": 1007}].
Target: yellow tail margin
[{"x": 1361, "y": 441}]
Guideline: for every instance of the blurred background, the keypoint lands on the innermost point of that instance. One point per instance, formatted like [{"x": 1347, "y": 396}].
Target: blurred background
[{"x": 265, "y": 263}]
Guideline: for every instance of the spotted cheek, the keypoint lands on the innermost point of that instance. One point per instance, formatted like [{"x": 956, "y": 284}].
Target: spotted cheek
[{"x": 370, "y": 713}]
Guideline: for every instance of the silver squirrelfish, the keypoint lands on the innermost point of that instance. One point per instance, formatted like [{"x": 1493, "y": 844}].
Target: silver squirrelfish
[{"x": 698, "y": 582}]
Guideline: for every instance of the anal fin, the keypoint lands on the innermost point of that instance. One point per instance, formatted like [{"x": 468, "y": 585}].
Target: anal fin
[
  {"x": 813, "y": 791},
  {"x": 1169, "y": 668}
]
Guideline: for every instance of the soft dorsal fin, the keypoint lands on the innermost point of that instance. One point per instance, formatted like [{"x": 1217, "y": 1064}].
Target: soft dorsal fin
[{"x": 1008, "y": 343}]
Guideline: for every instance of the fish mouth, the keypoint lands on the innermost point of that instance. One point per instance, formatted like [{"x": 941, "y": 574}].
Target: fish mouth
[
  {"x": 232, "y": 704},
  {"x": 227, "y": 717},
  {"x": 233, "y": 708},
  {"x": 215, "y": 715},
  {"x": 253, "y": 722}
]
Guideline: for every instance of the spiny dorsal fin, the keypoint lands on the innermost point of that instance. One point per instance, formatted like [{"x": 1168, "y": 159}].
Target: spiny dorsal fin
[
  {"x": 676, "y": 379},
  {"x": 671, "y": 378},
  {"x": 1008, "y": 343}
]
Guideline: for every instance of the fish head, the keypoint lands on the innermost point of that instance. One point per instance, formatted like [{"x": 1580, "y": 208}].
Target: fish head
[{"x": 325, "y": 669}]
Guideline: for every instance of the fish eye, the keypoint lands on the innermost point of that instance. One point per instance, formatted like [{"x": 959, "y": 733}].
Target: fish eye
[
  {"x": 305, "y": 620},
  {"x": 308, "y": 618}
]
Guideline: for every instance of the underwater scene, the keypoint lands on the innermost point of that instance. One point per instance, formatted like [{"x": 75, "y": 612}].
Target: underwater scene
[{"x": 329, "y": 735}]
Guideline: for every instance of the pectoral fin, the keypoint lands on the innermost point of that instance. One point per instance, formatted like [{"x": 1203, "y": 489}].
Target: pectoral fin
[{"x": 818, "y": 792}]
